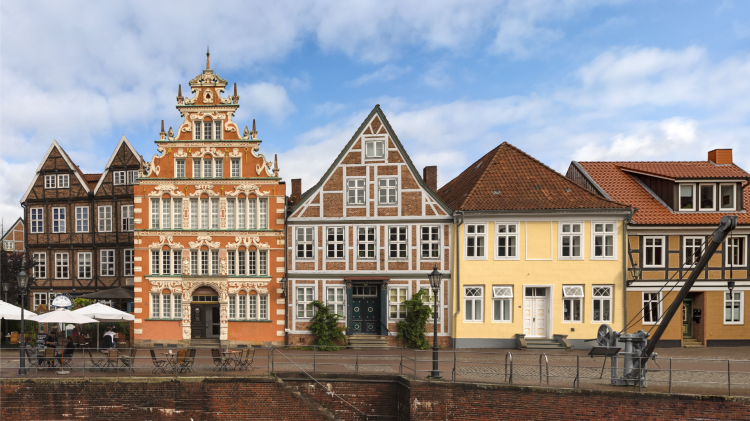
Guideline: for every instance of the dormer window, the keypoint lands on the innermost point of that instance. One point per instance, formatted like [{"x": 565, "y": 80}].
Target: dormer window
[
  {"x": 687, "y": 197},
  {"x": 208, "y": 130},
  {"x": 707, "y": 197},
  {"x": 726, "y": 196}
]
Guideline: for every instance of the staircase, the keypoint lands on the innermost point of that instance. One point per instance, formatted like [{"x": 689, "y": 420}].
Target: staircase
[
  {"x": 532, "y": 343},
  {"x": 691, "y": 343},
  {"x": 369, "y": 341}
]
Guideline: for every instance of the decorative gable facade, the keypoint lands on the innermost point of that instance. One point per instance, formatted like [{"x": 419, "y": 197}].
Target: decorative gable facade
[{"x": 365, "y": 237}]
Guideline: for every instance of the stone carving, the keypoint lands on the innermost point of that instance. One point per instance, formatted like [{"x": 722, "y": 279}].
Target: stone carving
[
  {"x": 166, "y": 188},
  {"x": 197, "y": 315},
  {"x": 180, "y": 152},
  {"x": 186, "y": 265},
  {"x": 158, "y": 286},
  {"x": 186, "y": 125},
  {"x": 222, "y": 100},
  {"x": 214, "y": 116},
  {"x": 235, "y": 153},
  {"x": 186, "y": 332},
  {"x": 185, "y": 212},
  {"x": 259, "y": 287},
  {"x": 168, "y": 240},
  {"x": 204, "y": 188},
  {"x": 214, "y": 152},
  {"x": 247, "y": 242},
  {"x": 189, "y": 286},
  {"x": 149, "y": 167},
  {"x": 267, "y": 165},
  {"x": 170, "y": 134},
  {"x": 230, "y": 125},
  {"x": 247, "y": 189},
  {"x": 223, "y": 212},
  {"x": 207, "y": 77},
  {"x": 191, "y": 101},
  {"x": 203, "y": 240},
  {"x": 223, "y": 267},
  {"x": 208, "y": 97}
]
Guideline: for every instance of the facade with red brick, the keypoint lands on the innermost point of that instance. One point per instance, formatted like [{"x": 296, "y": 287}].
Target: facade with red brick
[
  {"x": 13, "y": 237},
  {"x": 365, "y": 237}
]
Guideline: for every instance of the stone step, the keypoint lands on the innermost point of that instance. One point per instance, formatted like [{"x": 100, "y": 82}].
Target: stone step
[{"x": 555, "y": 346}]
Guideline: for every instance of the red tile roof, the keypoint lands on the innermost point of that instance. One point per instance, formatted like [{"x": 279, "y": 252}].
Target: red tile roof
[
  {"x": 92, "y": 179},
  {"x": 509, "y": 179},
  {"x": 624, "y": 188},
  {"x": 686, "y": 170}
]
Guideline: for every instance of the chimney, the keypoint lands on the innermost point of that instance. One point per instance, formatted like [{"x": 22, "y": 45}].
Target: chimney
[
  {"x": 429, "y": 175},
  {"x": 296, "y": 190},
  {"x": 720, "y": 156}
]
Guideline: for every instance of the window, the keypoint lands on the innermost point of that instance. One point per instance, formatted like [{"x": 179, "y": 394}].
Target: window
[
  {"x": 651, "y": 307},
  {"x": 193, "y": 262},
  {"x": 305, "y": 243},
  {"x": 473, "y": 303},
  {"x": 707, "y": 197},
  {"x": 204, "y": 213},
  {"x": 233, "y": 306},
  {"x": 106, "y": 263},
  {"x": 263, "y": 307},
  {"x": 571, "y": 235},
  {"x": 177, "y": 213},
  {"x": 166, "y": 306},
  {"x": 176, "y": 262},
  {"x": 105, "y": 217},
  {"x": 726, "y": 196},
  {"x": 40, "y": 265},
  {"x": 155, "y": 270},
  {"x": 219, "y": 168},
  {"x": 166, "y": 262},
  {"x": 196, "y": 168},
  {"x": 207, "y": 168},
  {"x": 374, "y": 149},
  {"x": 217, "y": 130},
  {"x": 251, "y": 262},
  {"x": 304, "y": 300},
  {"x": 231, "y": 213},
  {"x": 82, "y": 219},
  {"x": 155, "y": 306},
  {"x": 235, "y": 167},
  {"x": 84, "y": 265},
  {"x": 397, "y": 243},
  {"x": 214, "y": 262},
  {"x": 335, "y": 243},
  {"x": 126, "y": 217},
  {"x": 733, "y": 307},
  {"x": 387, "y": 191},
  {"x": 207, "y": 130},
  {"x": 430, "y": 242},
  {"x": 231, "y": 262},
  {"x": 177, "y": 313},
  {"x": 604, "y": 240},
  {"x": 687, "y": 197},
  {"x": 119, "y": 177},
  {"x": 61, "y": 266},
  {"x": 263, "y": 213},
  {"x": 475, "y": 240},
  {"x": 335, "y": 300},
  {"x": 58, "y": 220},
  {"x": 242, "y": 262},
  {"x": 180, "y": 168},
  {"x": 251, "y": 211},
  {"x": 204, "y": 262},
  {"x": 693, "y": 250},
  {"x": 654, "y": 251},
  {"x": 429, "y": 300},
  {"x": 396, "y": 298},
  {"x": 601, "y": 304},
  {"x": 507, "y": 241},
  {"x": 572, "y": 303},
  {"x": 252, "y": 307},
  {"x": 502, "y": 304},
  {"x": 37, "y": 220},
  {"x": 8, "y": 245},
  {"x": 133, "y": 177},
  {"x": 198, "y": 130},
  {"x": 193, "y": 213},
  {"x": 215, "y": 214},
  {"x": 128, "y": 259},
  {"x": 736, "y": 251},
  {"x": 355, "y": 191},
  {"x": 40, "y": 299},
  {"x": 263, "y": 263},
  {"x": 49, "y": 181},
  {"x": 366, "y": 242}
]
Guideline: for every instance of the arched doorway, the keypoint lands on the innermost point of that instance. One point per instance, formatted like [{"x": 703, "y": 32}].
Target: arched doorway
[{"x": 205, "y": 314}]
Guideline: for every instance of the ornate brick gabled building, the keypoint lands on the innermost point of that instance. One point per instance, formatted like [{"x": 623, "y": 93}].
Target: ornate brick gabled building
[
  {"x": 209, "y": 230},
  {"x": 80, "y": 230},
  {"x": 365, "y": 237},
  {"x": 12, "y": 240}
]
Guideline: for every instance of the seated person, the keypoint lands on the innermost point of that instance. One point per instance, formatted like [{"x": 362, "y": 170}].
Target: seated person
[
  {"x": 69, "y": 348},
  {"x": 109, "y": 338},
  {"x": 30, "y": 350},
  {"x": 50, "y": 342}
]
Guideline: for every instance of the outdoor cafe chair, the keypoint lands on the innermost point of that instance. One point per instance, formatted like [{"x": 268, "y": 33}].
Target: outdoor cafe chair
[
  {"x": 65, "y": 360},
  {"x": 49, "y": 358},
  {"x": 128, "y": 360},
  {"x": 190, "y": 359},
  {"x": 33, "y": 357},
  {"x": 14, "y": 338},
  {"x": 247, "y": 360},
  {"x": 180, "y": 364},
  {"x": 112, "y": 360},
  {"x": 158, "y": 364},
  {"x": 219, "y": 361},
  {"x": 96, "y": 362}
]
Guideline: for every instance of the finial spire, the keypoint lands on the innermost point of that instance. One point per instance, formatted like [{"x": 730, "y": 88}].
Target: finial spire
[
  {"x": 162, "y": 134},
  {"x": 254, "y": 133},
  {"x": 180, "y": 98},
  {"x": 208, "y": 63},
  {"x": 275, "y": 165},
  {"x": 235, "y": 97}
]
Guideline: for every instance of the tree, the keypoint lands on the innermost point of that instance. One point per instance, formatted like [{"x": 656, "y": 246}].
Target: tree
[
  {"x": 325, "y": 326},
  {"x": 12, "y": 263},
  {"x": 412, "y": 329}
]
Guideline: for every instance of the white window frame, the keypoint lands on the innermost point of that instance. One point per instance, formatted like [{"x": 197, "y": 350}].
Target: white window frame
[
  {"x": 603, "y": 234},
  {"x": 197, "y": 170},
  {"x": 180, "y": 167},
  {"x": 118, "y": 178},
  {"x": 40, "y": 298},
  {"x": 305, "y": 243},
  {"x": 663, "y": 250},
  {"x": 50, "y": 181},
  {"x": 263, "y": 213},
  {"x": 729, "y": 246},
  {"x": 155, "y": 260},
  {"x": 127, "y": 218},
  {"x": 476, "y": 236},
  {"x": 84, "y": 261},
  {"x": 741, "y": 300},
  {"x": 63, "y": 181},
  {"x": 218, "y": 167},
  {"x": 235, "y": 164},
  {"x": 208, "y": 168},
  {"x": 128, "y": 262},
  {"x": 304, "y": 308},
  {"x": 107, "y": 262},
  {"x": 572, "y": 293},
  {"x": 507, "y": 235},
  {"x": 572, "y": 235},
  {"x": 504, "y": 294},
  {"x": 339, "y": 246},
  {"x": 474, "y": 299},
  {"x": 366, "y": 242},
  {"x": 685, "y": 254},
  {"x": 40, "y": 267},
  {"x": 197, "y": 130},
  {"x": 428, "y": 299},
  {"x": 37, "y": 220},
  {"x": 61, "y": 221},
  {"x": 643, "y": 307},
  {"x": 734, "y": 197},
  {"x": 679, "y": 197},
  {"x": 388, "y": 188},
  {"x": 431, "y": 243},
  {"x": 353, "y": 190},
  {"x": 155, "y": 306},
  {"x": 601, "y": 299},
  {"x": 132, "y": 177},
  {"x": 374, "y": 143},
  {"x": 194, "y": 214},
  {"x": 103, "y": 220},
  {"x": 398, "y": 243},
  {"x": 177, "y": 214},
  {"x": 214, "y": 209},
  {"x": 700, "y": 197},
  {"x": 335, "y": 304},
  {"x": 82, "y": 221},
  {"x": 401, "y": 292},
  {"x": 62, "y": 265}
]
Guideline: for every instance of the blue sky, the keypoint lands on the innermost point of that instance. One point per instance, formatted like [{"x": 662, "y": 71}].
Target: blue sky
[{"x": 561, "y": 79}]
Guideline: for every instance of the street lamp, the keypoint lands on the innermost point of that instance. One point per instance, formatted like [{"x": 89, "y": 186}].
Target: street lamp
[
  {"x": 435, "y": 278},
  {"x": 6, "y": 287},
  {"x": 635, "y": 271},
  {"x": 23, "y": 281},
  {"x": 282, "y": 284},
  {"x": 730, "y": 287}
]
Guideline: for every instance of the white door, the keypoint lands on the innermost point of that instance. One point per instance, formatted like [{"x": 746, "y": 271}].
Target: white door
[{"x": 535, "y": 313}]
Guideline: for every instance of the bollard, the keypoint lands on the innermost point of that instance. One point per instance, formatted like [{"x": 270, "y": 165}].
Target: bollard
[
  {"x": 578, "y": 371},
  {"x": 401, "y": 364},
  {"x": 670, "y": 374},
  {"x": 729, "y": 378},
  {"x": 356, "y": 363},
  {"x": 415, "y": 364},
  {"x": 315, "y": 347}
]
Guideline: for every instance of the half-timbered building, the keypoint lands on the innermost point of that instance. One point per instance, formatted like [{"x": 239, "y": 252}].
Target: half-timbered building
[
  {"x": 365, "y": 237},
  {"x": 12, "y": 240}
]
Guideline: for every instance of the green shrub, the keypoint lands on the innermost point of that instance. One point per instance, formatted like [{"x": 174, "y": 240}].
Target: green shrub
[
  {"x": 325, "y": 326},
  {"x": 411, "y": 331}
]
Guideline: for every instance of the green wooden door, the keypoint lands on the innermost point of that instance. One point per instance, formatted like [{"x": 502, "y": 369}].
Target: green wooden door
[{"x": 365, "y": 310}]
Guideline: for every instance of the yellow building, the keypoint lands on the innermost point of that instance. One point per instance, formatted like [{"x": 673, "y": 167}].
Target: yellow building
[{"x": 539, "y": 262}]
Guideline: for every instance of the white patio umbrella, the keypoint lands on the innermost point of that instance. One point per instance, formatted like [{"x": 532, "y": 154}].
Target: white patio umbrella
[
  {"x": 62, "y": 316},
  {"x": 104, "y": 313},
  {"x": 11, "y": 312}
]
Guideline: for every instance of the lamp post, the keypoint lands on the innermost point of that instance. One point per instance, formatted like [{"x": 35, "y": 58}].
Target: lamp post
[
  {"x": 435, "y": 278},
  {"x": 6, "y": 287},
  {"x": 282, "y": 284},
  {"x": 23, "y": 281},
  {"x": 635, "y": 271}
]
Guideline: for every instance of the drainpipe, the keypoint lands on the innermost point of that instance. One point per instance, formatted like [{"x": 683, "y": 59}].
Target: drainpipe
[
  {"x": 459, "y": 253},
  {"x": 625, "y": 248},
  {"x": 286, "y": 275}
]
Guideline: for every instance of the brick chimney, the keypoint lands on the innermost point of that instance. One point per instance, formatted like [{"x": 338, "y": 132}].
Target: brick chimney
[
  {"x": 720, "y": 156},
  {"x": 296, "y": 190},
  {"x": 429, "y": 175}
]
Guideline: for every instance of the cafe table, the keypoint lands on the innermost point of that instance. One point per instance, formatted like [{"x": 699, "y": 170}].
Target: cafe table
[{"x": 232, "y": 356}]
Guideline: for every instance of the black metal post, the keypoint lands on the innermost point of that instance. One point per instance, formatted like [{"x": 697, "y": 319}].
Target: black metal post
[
  {"x": 6, "y": 320},
  {"x": 22, "y": 369},
  {"x": 435, "y": 374}
]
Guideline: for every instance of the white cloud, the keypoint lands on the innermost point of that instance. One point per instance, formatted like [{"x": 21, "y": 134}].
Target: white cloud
[
  {"x": 264, "y": 98},
  {"x": 384, "y": 74},
  {"x": 328, "y": 108},
  {"x": 436, "y": 77}
]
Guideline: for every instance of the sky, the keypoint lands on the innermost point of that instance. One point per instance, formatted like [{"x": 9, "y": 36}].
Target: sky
[{"x": 560, "y": 79}]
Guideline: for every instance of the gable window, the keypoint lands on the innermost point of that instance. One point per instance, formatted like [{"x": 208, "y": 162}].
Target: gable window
[
  {"x": 733, "y": 307},
  {"x": 387, "y": 191},
  {"x": 180, "y": 168},
  {"x": 235, "y": 167},
  {"x": 40, "y": 265},
  {"x": 194, "y": 213},
  {"x": 133, "y": 177},
  {"x": 604, "y": 240},
  {"x": 63, "y": 181},
  {"x": 502, "y": 303},
  {"x": 305, "y": 242},
  {"x": 128, "y": 259},
  {"x": 374, "y": 148},
  {"x": 204, "y": 213},
  {"x": 207, "y": 171},
  {"x": 693, "y": 250},
  {"x": 507, "y": 241},
  {"x": 654, "y": 251},
  {"x": 84, "y": 265},
  {"x": 473, "y": 296},
  {"x": 396, "y": 298},
  {"x": 58, "y": 220},
  {"x": 263, "y": 214},
  {"x": 198, "y": 130},
  {"x": 335, "y": 300},
  {"x": 601, "y": 304},
  {"x": 726, "y": 196},
  {"x": 49, "y": 181},
  {"x": 430, "y": 242},
  {"x": 335, "y": 243},
  {"x": 176, "y": 212},
  {"x": 119, "y": 177},
  {"x": 305, "y": 297},
  {"x": 366, "y": 242},
  {"x": 106, "y": 263},
  {"x": 475, "y": 241},
  {"x": 166, "y": 213},
  {"x": 572, "y": 303},
  {"x": 37, "y": 220},
  {"x": 215, "y": 214},
  {"x": 127, "y": 217},
  {"x": 197, "y": 167},
  {"x": 82, "y": 219},
  {"x": 105, "y": 218},
  {"x": 61, "y": 266},
  {"x": 397, "y": 242},
  {"x": 219, "y": 168},
  {"x": 707, "y": 197},
  {"x": 207, "y": 130},
  {"x": 687, "y": 197},
  {"x": 217, "y": 130},
  {"x": 736, "y": 251},
  {"x": 651, "y": 307},
  {"x": 571, "y": 240},
  {"x": 355, "y": 191}
]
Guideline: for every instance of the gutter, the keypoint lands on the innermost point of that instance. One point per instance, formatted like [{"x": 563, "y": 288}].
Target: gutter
[
  {"x": 626, "y": 249},
  {"x": 621, "y": 211},
  {"x": 458, "y": 264},
  {"x": 286, "y": 272}
]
